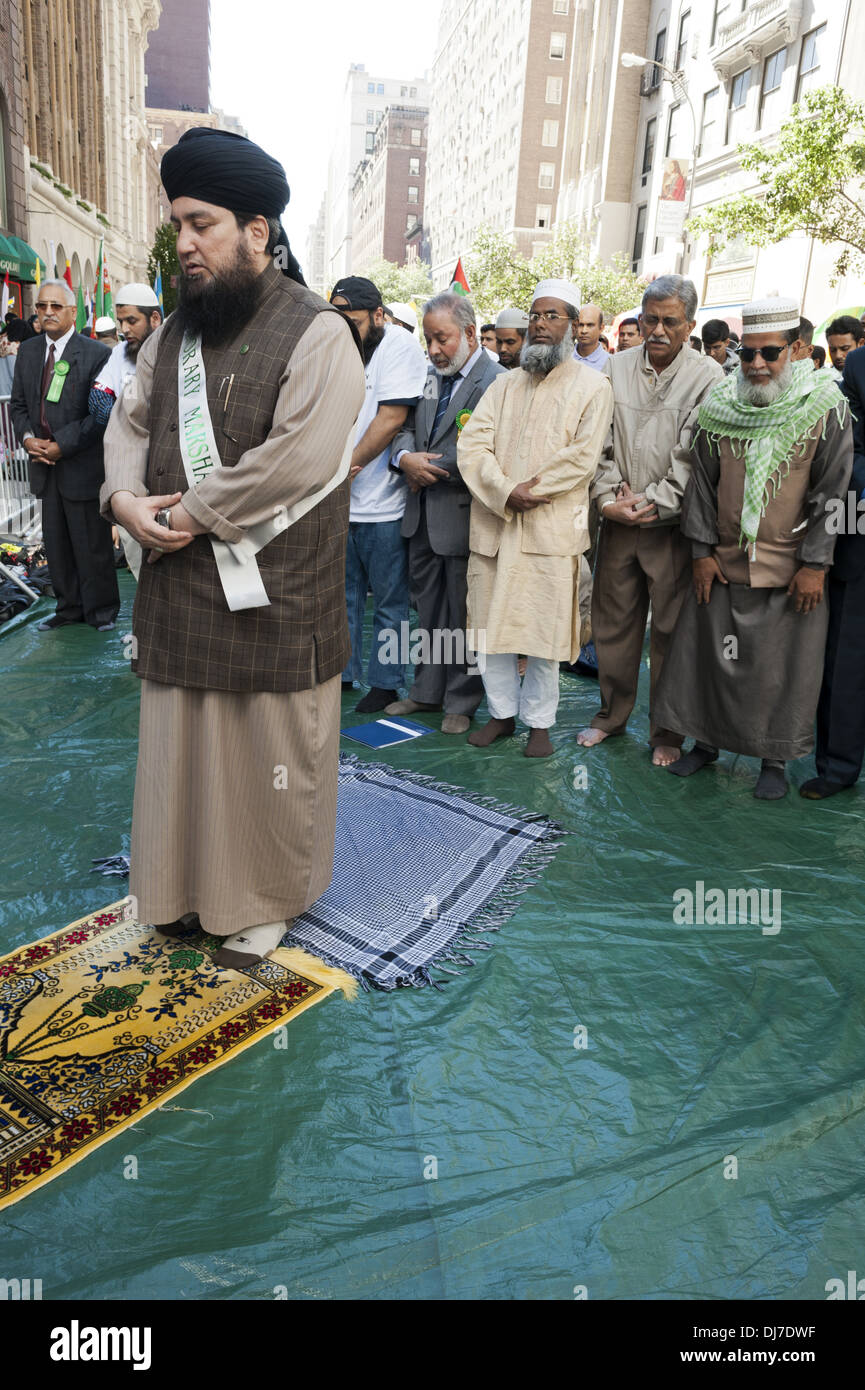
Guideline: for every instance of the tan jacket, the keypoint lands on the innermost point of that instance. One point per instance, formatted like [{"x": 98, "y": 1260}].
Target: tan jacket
[{"x": 654, "y": 417}]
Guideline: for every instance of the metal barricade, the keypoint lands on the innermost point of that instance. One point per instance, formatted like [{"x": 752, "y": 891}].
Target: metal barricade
[{"x": 20, "y": 511}]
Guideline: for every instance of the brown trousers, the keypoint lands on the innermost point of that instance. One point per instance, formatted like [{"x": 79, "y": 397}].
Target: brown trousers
[{"x": 636, "y": 565}]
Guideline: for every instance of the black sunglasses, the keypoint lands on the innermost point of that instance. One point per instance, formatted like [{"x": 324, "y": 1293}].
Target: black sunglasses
[{"x": 768, "y": 354}]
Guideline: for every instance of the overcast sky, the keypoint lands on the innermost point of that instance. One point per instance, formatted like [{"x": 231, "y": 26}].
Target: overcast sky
[{"x": 280, "y": 68}]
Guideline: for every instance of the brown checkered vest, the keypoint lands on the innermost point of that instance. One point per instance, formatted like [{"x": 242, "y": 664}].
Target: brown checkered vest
[{"x": 185, "y": 634}]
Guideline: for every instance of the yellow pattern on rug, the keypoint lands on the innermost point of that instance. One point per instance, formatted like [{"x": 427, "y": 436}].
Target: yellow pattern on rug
[{"x": 107, "y": 1019}]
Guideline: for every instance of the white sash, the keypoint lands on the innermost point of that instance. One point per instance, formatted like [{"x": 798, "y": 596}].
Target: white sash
[{"x": 235, "y": 560}]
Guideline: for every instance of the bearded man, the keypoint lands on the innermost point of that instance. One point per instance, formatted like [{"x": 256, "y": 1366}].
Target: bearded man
[
  {"x": 772, "y": 453},
  {"x": 229, "y": 464},
  {"x": 528, "y": 456}
]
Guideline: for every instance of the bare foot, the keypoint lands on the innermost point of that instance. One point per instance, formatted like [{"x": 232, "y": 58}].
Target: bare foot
[
  {"x": 663, "y": 755},
  {"x": 589, "y": 737}
]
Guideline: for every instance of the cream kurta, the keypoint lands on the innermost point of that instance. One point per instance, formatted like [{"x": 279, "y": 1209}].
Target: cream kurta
[
  {"x": 235, "y": 794},
  {"x": 524, "y": 566}
]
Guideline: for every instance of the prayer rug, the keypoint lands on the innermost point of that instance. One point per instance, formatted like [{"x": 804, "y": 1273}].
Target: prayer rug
[
  {"x": 106, "y": 1020},
  {"x": 421, "y": 870}
]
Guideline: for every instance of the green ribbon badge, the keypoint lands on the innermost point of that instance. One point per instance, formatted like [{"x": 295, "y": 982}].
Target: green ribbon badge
[
  {"x": 463, "y": 419},
  {"x": 58, "y": 381}
]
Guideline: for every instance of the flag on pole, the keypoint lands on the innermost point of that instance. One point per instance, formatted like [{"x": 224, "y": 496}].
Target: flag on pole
[
  {"x": 52, "y": 269},
  {"x": 88, "y": 305},
  {"x": 157, "y": 289},
  {"x": 38, "y": 274},
  {"x": 4, "y": 297},
  {"x": 459, "y": 284},
  {"x": 80, "y": 313},
  {"x": 67, "y": 274}
]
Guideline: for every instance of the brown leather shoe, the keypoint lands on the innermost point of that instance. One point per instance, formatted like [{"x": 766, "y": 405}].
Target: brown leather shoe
[
  {"x": 178, "y": 928},
  {"x": 455, "y": 723},
  {"x": 539, "y": 745},
  {"x": 493, "y": 729},
  {"x": 409, "y": 706}
]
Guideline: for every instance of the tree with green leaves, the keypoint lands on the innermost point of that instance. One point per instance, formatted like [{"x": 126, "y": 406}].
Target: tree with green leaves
[
  {"x": 498, "y": 275},
  {"x": 811, "y": 180},
  {"x": 163, "y": 257},
  {"x": 402, "y": 283}
]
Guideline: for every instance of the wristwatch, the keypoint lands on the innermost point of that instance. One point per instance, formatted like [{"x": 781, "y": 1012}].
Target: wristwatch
[{"x": 163, "y": 517}]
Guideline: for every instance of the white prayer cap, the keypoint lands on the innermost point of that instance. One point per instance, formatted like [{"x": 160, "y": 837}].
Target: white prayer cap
[
  {"x": 513, "y": 318},
  {"x": 773, "y": 315},
  {"x": 104, "y": 325},
  {"x": 404, "y": 312},
  {"x": 140, "y": 296},
  {"x": 558, "y": 289}
]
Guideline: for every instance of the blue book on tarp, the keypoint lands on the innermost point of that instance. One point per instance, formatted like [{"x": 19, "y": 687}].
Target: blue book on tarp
[{"x": 384, "y": 732}]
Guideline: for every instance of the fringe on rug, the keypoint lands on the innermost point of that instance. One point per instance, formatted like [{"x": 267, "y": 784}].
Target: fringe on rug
[{"x": 316, "y": 968}]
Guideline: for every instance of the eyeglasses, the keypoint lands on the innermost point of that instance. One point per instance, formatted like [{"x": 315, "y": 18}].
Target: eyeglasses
[
  {"x": 41, "y": 305},
  {"x": 551, "y": 317},
  {"x": 768, "y": 354}
]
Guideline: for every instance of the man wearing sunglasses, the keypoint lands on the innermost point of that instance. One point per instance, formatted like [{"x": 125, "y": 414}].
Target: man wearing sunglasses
[{"x": 772, "y": 449}]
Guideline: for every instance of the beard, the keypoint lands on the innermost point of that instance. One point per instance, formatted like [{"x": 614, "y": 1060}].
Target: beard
[
  {"x": 459, "y": 359},
  {"x": 539, "y": 359},
  {"x": 371, "y": 342},
  {"x": 767, "y": 393},
  {"x": 223, "y": 304}
]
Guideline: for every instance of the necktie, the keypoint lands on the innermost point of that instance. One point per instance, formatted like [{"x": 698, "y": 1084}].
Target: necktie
[
  {"x": 448, "y": 384},
  {"x": 47, "y": 374}
]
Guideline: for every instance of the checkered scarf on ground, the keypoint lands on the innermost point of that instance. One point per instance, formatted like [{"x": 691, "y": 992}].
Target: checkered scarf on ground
[
  {"x": 421, "y": 870},
  {"x": 768, "y": 435}
]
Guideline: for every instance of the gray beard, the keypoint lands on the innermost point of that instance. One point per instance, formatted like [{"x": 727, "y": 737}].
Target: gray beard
[
  {"x": 460, "y": 358},
  {"x": 764, "y": 395},
  {"x": 539, "y": 359}
]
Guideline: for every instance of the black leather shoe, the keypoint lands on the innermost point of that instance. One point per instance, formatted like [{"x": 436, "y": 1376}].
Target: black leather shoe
[
  {"x": 376, "y": 700},
  {"x": 818, "y": 788}
]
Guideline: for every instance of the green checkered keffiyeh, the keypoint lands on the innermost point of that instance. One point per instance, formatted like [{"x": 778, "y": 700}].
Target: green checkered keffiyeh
[{"x": 768, "y": 435}]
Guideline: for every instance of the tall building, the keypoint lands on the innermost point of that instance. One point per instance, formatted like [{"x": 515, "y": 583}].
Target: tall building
[
  {"x": 497, "y": 115},
  {"x": 741, "y": 65},
  {"x": 313, "y": 266},
  {"x": 365, "y": 100},
  {"x": 91, "y": 175},
  {"x": 388, "y": 189},
  {"x": 602, "y": 113},
  {"x": 164, "y": 129},
  {"x": 178, "y": 57},
  {"x": 13, "y": 131}
]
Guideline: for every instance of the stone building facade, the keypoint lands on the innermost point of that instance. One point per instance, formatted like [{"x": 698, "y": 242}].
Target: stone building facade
[{"x": 13, "y": 132}]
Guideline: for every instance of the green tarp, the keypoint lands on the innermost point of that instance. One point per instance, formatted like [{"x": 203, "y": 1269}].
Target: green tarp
[{"x": 607, "y": 1166}]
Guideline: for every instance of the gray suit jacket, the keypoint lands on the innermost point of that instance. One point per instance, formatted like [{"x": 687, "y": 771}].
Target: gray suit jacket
[
  {"x": 448, "y": 501},
  {"x": 80, "y": 469}
]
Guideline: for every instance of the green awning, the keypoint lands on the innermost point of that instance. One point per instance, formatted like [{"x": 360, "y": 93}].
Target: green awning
[{"x": 19, "y": 259}]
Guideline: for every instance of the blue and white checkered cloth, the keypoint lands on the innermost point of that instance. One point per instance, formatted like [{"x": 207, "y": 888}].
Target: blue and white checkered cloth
[{"x": 420, "y": 869}]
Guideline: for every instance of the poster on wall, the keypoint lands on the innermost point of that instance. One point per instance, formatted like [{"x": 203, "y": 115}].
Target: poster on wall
[{"x": 671, "y": 204}]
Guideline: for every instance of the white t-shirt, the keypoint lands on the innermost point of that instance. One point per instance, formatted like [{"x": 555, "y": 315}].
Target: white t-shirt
[
  {"x": 395, "y": 375},
  {"x": 117, "y": 371}
]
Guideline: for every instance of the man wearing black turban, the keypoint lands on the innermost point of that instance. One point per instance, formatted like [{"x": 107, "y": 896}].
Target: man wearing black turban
[{"x": 229, "y": 464}]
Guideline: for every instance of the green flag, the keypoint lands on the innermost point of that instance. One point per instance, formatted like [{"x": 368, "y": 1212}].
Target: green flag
[{"x": 80, "y": 313}]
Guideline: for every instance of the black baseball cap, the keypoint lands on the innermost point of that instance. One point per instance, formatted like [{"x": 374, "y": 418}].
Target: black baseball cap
[{"x": 357, "y": 292}]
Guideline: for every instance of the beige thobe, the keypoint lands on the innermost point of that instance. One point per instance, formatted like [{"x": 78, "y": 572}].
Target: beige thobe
[
  {"x": 523, "y": 568},
  {"x": 235, "y": 794}
]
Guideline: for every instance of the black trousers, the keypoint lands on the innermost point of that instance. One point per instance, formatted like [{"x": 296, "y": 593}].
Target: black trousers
[
  {"x": 841, "y": 711},
  {"x": 439, "y": 590},
  {"x": 80, "y": 558}
]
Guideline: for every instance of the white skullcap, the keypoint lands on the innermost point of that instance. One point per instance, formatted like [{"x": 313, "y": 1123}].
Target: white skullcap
[
  {"x": 404, "y": 312},
  {"x": 558, "y": 289},
  {"x": 104, "y": 325},
  {"x": 773, "y": 315},
  {"x": 513, "y": 318},
  {"x": 136, "y": 295}
]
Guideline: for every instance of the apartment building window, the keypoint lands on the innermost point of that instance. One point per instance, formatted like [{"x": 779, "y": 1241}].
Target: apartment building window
[
  {"x": 738, "y": 103},
  {"x": 561, "y": 6},
  {"x": 546, "y": 175},
  {"x": 370, "y": 141},
  {"x": 380, "y": 89},
  {"x": 682, "y": 45},
  {"x": 770, "y": 96},
  {"x": 155, "y": 135},
  {"x": 414, "y": 166},
  {"x": 649, "y": 147},
  {"x": 675, "y": 127},
  {"x": 412, "y": 193},
  {"x": 558, "y": 43},
  {"x": 403, "y": 91},
  {"x": 550, "y": 133},
  {"x": 809, "y": 63},
  {"x": 660, "y": 49},
  {"x": 413, "y": 91},
  {"x": 554, "y": 91},
  {"x": 370, "y": 87},
  {"x": 543, "y": 215},
  {"x": 710, "y": 130},
  {"x": 725, "y": 10},
  {"x": 639, "y": 236},
  {"x": 415, "y": 136},
  {"x": 410, "y": 221},
  {"x": 370, "y": 118}
]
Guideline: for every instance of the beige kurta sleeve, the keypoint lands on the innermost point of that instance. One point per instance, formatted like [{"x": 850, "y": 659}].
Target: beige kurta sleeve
[
  {"x": 127, "y": 438},
  {"x": 668, "y": 491},
  {"x": 608, "y": 475},
  {"x": 320, "y": 396},
  {"x": 476, "y": 453},
  {"x": 578, "y": 460}
]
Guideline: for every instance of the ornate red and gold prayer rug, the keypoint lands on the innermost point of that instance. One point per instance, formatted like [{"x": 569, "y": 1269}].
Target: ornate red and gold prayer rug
[{"x": 106, "y": 1020}]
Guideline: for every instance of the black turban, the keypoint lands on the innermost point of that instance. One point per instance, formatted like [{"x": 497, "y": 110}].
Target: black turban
[{"x": 231, "y": 172}]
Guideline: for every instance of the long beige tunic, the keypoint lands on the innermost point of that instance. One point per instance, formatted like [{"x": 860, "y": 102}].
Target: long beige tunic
[
  {"x": 523, "y": 568},
  {"x": 235, "y": 794}
]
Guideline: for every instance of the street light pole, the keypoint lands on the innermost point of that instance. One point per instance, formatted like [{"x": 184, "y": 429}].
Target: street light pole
[{"x": 639, "y": 60}]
